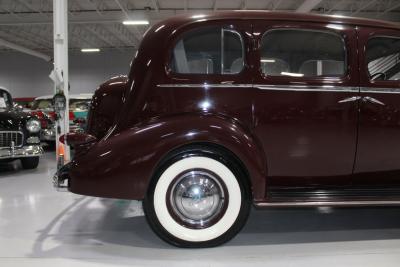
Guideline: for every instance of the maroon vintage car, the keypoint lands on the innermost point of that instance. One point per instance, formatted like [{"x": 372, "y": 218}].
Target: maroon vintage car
[{"x": 231, "y": 109}]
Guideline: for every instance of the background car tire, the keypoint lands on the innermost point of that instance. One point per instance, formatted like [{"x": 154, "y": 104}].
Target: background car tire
[
  {"x": 30, "y": 163},
  {"x": 231, "y": 217}
]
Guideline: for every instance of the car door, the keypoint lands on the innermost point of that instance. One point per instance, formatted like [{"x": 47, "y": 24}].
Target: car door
[
  {"x": 306, "y": 103},
  {"x": 378, "y": 153}
]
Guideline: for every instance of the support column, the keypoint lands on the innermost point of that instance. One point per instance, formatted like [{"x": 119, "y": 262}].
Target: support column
[{"x": 60, "y": 27}]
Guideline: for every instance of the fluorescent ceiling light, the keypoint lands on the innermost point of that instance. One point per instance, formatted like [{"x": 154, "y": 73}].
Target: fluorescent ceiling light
[
  {"x": 264, "y": 60},
  {"x": 88, "y": 50},
  {"x": 292, "y": 74},
  {"x": 135, "y": 22}
]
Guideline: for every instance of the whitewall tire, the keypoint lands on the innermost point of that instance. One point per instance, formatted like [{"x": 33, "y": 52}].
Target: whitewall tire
[{"x": 199, "y": 200}]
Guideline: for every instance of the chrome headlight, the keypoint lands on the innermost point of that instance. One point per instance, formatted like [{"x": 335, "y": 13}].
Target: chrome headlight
[{"x": 33, "y": 125}]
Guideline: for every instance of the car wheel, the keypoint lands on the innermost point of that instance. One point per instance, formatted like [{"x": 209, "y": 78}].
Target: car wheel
[
  {"x": 30, "y": 163},
  {"x": 198, "y": 199}
]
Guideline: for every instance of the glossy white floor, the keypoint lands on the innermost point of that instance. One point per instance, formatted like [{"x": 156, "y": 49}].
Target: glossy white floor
[{"x": 42, "y": 227}]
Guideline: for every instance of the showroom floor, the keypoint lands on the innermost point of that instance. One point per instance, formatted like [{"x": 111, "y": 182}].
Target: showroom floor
[{"x": 42, "y": 227}]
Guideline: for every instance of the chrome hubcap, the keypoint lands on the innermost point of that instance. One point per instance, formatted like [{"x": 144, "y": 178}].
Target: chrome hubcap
[{"x": 197, "y": 198}]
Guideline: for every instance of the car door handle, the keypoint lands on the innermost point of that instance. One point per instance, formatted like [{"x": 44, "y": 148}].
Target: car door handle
[
  {"x": 372, "y": 100},
  {"x": 349, "y": 99}
]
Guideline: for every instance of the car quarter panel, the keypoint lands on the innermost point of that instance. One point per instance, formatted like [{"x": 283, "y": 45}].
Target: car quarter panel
[{"x": 122, "y": 165}]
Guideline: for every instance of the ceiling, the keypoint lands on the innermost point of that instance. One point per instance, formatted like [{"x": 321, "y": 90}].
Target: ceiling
[{"x": 97, "y": 23}]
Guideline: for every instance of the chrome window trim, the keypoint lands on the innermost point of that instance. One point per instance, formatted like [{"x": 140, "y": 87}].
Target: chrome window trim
[{"x": 223, "y": 48}]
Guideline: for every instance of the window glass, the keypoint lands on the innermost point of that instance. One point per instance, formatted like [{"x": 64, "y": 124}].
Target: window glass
[
  {"x": 208, "y": 51},
  {"x": 233, "y": 52},
  {"x": 302, "y": 53},
  {"x": 5, "y": 100},
  {"x": 383, "y": 58},
  {"x": 79, "y": 104},
  {"x": 42, "y": 104}
]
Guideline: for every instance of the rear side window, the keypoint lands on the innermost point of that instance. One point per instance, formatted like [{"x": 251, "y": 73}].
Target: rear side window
[
  {"x": 208, "y": 51},
  {"x": 383, "y": 58},
  {"x": 302, "y": 53}
]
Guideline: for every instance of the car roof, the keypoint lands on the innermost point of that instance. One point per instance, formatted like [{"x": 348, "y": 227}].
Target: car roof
[
  {"x": 280, "y": 16},
  {"x": 5, "y": 89},
  {"x": 77, "y": 96}
]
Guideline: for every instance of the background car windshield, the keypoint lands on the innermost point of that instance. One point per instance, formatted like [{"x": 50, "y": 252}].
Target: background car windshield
[
  {"x": 42, "y": 104},
  {"x": 5, "y": 100},
  {"x": 79, "y": 104},
  {"x": 74, "y": 104}
]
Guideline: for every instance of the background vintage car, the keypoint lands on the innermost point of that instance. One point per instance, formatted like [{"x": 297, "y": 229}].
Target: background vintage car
[
  {"x": 19, "y": 134},
  {"x": 24, "y": 102},
  {"x": 78, "y": 110}
]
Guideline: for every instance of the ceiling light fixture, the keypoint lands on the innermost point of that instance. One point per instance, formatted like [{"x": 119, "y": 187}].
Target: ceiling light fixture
[
  {"x": 135, "y": 22},
  {"x": 89, "y": 50}
]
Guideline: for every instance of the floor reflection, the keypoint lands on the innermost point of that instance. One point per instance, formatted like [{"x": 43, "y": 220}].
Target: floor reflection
[{"x": 38, "y": 222}]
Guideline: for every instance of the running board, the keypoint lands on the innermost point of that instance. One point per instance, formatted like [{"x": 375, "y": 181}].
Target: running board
[{"x": 349, "y": 203}]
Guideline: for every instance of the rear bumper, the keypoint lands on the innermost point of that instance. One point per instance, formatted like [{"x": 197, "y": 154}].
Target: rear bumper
[
  {"x": 21, "y": 152},
  {"x": 61, "y": 178}
]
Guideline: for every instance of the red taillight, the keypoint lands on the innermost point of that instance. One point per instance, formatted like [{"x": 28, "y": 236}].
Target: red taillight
[
  {"x": 62, "y": 139},
  {"x": 52, "y": 115},
  {"x": 44, "y": 123},
  {"x": 73, "y": 139}
]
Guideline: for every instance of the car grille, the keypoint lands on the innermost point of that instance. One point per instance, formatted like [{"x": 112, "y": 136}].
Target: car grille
[{"x": 7, "y": 137}]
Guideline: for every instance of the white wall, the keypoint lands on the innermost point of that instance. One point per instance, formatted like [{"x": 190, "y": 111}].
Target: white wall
[{"x": 28, "y": 76}]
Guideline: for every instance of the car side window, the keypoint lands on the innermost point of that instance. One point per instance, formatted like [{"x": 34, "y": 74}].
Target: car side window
[
  {"x": 302, "y": 53},
  {"x": 383, "y": 58},
  {"x": 210, "y": 50}
]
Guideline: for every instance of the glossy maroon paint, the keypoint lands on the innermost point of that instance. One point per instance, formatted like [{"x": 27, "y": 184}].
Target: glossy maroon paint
[
  {"x": 377, "y": 161},
  {"x": 283, "y": 138}
]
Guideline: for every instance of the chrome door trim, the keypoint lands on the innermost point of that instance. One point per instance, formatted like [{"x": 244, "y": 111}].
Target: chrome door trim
[
  {"x": 349, "y": 99},
  {"x": 372, "y": 100},
  {"x": 204, "y": 85},
  {"x": 308, "y": 88},
  {"x": 375, "y": 90},
  {"x": 301, "y": 88}
]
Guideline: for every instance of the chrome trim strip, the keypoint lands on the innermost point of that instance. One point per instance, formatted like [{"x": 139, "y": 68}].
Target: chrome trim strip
[
  {"x": 327, "y": 203},
  {"x": 308, "y": 88},
  {"x": 301, "y": 88},
  {"x": 350, "y": 99},
  {"x": 205, "y": 85},
  {"x": 374, "y": 90}
]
